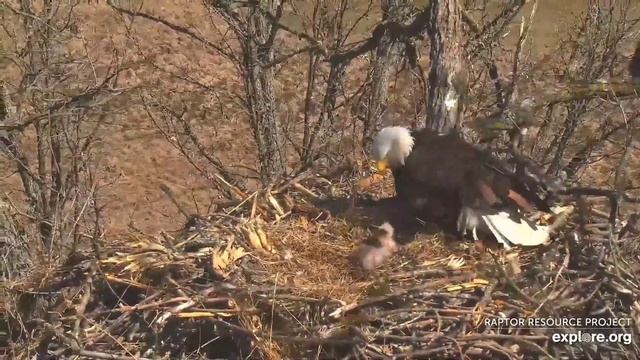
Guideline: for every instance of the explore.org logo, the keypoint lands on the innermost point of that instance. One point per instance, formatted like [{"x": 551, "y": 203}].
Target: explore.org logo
[
  {"x": 570, "y": 330},
  {"x": 587, "y": 337}
]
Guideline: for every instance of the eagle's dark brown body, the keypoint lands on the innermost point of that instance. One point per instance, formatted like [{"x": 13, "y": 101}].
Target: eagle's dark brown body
[
  {"x": 634, "y": 64},
  {"x": 443, "y": 173}
]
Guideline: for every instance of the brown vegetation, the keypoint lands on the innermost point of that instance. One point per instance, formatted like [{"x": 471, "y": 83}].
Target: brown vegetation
[{"x": 184, "y": 179}]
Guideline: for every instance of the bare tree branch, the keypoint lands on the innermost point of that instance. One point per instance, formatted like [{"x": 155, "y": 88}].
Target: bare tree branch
[{"x": 177, "y": 28}]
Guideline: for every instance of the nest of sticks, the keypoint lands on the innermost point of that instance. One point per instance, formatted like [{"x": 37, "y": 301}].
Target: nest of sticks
[{"x": 268, "y": 277}]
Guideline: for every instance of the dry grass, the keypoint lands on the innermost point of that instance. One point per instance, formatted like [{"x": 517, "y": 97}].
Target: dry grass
[
  {"x": 311, "y": 253},
  {"x": 304, "y": 298}
]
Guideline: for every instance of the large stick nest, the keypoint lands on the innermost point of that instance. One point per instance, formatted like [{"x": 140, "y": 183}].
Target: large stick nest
[{"x": 269, "y": 277}]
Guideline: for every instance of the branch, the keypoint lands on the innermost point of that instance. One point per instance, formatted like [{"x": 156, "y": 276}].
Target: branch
[
  {"x": 571, "y": 92},
  {"x": 217, "y": 163},
  {"x": 550, "y": 95},
  {"x": 613, "y": 196},
  {"x": 393, "y": 29},
  {"x": 275, "y": 21},
  {"x": 177, "y": 28},
  {"x": 495, "y": 27},
  {"x": 90, "y": 98}
]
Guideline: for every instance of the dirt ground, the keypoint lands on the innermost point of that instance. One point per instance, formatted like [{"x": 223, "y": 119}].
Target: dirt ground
[
  {"x": 135, "y": 157},
  {"x": 134, "y": 160}
]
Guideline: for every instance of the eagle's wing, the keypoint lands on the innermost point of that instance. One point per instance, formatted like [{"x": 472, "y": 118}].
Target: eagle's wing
[
  {"x": 523, "y": 183},
  {"x": 448, "y": 169}
]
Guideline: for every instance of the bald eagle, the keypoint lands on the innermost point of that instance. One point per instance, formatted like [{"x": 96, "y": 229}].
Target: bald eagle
[{"x": 472, "y": 189}]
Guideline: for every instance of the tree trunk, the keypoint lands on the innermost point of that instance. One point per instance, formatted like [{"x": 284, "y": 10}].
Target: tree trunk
[
  {"x": 261, "y": 100},
  {"x": 447, "y": 79},
  {"x": 321, "y": 130},
  {"x": 387, "y": 57}
]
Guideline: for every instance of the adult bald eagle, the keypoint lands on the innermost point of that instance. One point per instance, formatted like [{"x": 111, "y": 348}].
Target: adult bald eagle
[{"x": 472, "y": 188}]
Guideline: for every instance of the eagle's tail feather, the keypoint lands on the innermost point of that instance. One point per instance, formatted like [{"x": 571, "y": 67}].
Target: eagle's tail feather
[{"x": 510, "y": 232}]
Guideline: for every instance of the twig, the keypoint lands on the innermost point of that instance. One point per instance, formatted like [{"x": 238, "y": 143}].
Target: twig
[
  {"x": 511, "y": 283},
  {"x": 106, "y": 356},
  {"x": 167, "y": 191},
  {"x": 376, "y": 300},
  {"x": 76, "y": 349},
  {"x": 305, "y": 191},
  {"x": 167, "y": 314},
  {"x": 84, "y": 301},
  {"x": 177, "y": 28}
]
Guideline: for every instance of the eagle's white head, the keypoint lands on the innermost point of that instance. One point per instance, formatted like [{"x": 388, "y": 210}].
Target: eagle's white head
[{"x": 391, "y": 146}]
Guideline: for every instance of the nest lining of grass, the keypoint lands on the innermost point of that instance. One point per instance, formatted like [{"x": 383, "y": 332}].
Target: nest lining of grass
[{"x": 269, "y": 277}]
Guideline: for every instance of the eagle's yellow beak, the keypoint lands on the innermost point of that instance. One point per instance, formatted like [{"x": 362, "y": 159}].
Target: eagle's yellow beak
[{"x": 382, "y": 165}]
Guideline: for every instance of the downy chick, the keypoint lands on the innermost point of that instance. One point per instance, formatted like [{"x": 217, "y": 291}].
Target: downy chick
[{"x": 374, "y": 252}]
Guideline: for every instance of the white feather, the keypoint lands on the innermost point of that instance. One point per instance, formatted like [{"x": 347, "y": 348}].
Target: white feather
[
  {"x": 510, "y": 232},
  {"x": 393, "y": 143}
]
